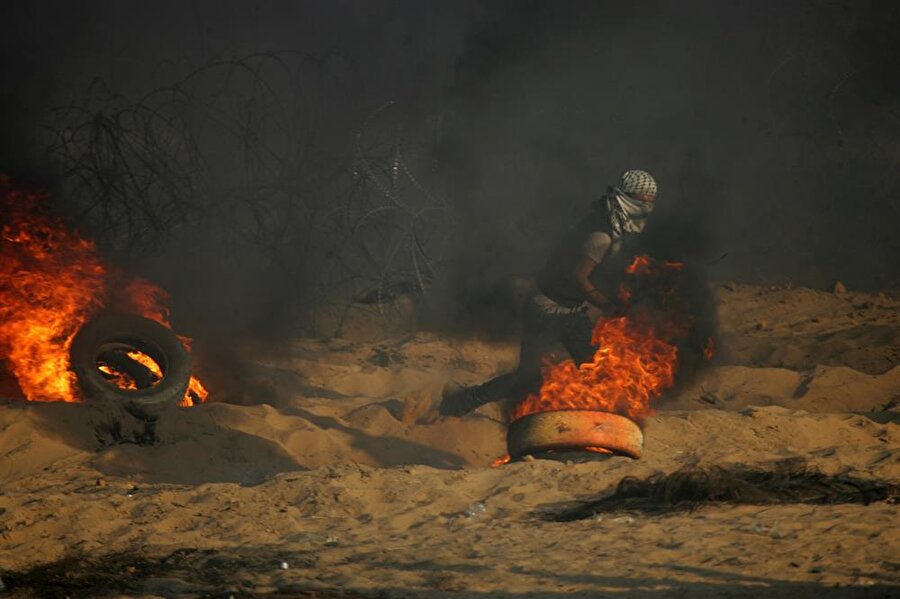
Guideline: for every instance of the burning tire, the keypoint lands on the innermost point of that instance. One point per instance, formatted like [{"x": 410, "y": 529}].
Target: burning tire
[
  {"x": 573, "y": 430},
  {"x": 106, "y": 351}
]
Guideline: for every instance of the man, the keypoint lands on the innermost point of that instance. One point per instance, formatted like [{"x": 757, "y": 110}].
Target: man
[{"x": 557, "y": 311}]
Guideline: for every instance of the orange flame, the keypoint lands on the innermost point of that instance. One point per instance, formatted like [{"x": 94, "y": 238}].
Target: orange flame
[
  {"x": 52, "y": 281},
  {"x": 196, "y": 394},
  {"x": 644, "y": 265},
  {"x": 502, "y": 460},
  {"x": 630, "y": 367},
  {"x": 635, "y": 359},
  {"x": 143, "y": 297},
  {"x": 640, "y": 264}
]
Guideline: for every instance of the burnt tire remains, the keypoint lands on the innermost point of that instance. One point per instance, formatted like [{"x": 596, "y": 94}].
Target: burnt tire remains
[{"x": 114, "y": 334}]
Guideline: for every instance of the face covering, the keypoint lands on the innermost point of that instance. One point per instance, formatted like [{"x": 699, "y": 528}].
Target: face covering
[{"x": 626, "y": 214}]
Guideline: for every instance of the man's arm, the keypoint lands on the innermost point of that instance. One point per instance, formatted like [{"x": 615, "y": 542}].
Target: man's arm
[{"x": 594, "y": 251}]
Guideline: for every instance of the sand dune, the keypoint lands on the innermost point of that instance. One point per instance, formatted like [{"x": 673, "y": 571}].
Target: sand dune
[{"x": 325, "y": 458}]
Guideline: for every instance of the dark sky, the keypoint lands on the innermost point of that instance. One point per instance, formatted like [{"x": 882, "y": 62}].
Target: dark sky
[{"x": 773, "y": 128}]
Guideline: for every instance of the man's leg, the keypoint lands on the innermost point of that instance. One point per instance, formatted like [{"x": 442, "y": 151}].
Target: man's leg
[
  {"x": 539, "y": 332},
  {"x": 576, "y": 337},
  {"x": 526, "y": 378}
]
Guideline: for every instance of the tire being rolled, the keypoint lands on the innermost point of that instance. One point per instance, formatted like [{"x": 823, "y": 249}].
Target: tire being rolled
[
  {"x": 122, "y": 332},
  {"x": 566, "y": 430}
]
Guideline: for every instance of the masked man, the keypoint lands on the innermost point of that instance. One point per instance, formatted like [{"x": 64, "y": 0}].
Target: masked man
[{"x": 557, "y": 311}]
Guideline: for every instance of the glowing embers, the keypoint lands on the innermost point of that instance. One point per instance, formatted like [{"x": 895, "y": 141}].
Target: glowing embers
[
  {"x": 129, "y": 369},
  {"x": 132, "y": 370}
]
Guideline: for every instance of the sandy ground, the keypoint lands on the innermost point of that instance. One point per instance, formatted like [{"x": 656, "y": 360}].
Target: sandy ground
[{"x": 322, "y": 474}]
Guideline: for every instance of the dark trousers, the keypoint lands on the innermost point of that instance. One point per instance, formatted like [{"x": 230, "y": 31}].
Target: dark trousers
[{"x": 542, "y": 330}]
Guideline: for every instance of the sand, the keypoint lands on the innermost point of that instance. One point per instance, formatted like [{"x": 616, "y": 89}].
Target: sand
[{"x": 324, "y": 469}]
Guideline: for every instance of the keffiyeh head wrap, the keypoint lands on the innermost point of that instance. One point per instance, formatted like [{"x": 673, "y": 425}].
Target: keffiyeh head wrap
[
  {"x": 637, "y": 183},
  {"x": 627, "y": 214}
]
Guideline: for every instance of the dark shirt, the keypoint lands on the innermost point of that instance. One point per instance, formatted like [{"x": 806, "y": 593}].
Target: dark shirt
[{"x": 592, "y": 237}]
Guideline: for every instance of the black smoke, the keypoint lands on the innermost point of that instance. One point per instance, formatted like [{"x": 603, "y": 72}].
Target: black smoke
[{"x": 771, "y": 127}]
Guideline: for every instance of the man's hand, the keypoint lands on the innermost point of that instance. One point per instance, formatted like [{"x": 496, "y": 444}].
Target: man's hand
[
  {"x": 595, "y": 313},
  {"x": 583, "y": 270}
]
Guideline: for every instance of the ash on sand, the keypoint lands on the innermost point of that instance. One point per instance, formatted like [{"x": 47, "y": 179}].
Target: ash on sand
[
  {"x": 193, "y": 572},
  {"x": 788, "y": 481}
]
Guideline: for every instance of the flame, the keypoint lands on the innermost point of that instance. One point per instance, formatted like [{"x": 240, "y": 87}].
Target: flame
[
  {"x": 502, "y": 460},
  {"x": 196, "y": 394},
  {"x": 46, "y": 295},
  {"x": 52, "y": 281},
  {"x": 143, "y": 297},
  {"x": 630, "y": 367},
  {"x": 636, "y": 356},
  {"x": 640, "y": 264},
  {"x": 647, "y": 266}
]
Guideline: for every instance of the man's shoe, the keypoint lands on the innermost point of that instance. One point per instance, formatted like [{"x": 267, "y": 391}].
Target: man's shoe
[{"x": 457, "y": 400}]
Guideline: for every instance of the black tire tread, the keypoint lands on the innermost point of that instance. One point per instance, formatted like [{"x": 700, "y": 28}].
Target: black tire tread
[{"x": 146, "y": 335}]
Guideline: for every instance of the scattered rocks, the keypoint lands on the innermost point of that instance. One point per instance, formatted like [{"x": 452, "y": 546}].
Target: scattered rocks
[{"x": 475, "y": 510}]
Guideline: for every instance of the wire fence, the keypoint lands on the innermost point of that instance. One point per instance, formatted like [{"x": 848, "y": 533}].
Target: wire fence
[{"x": 253, "y": 154}]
